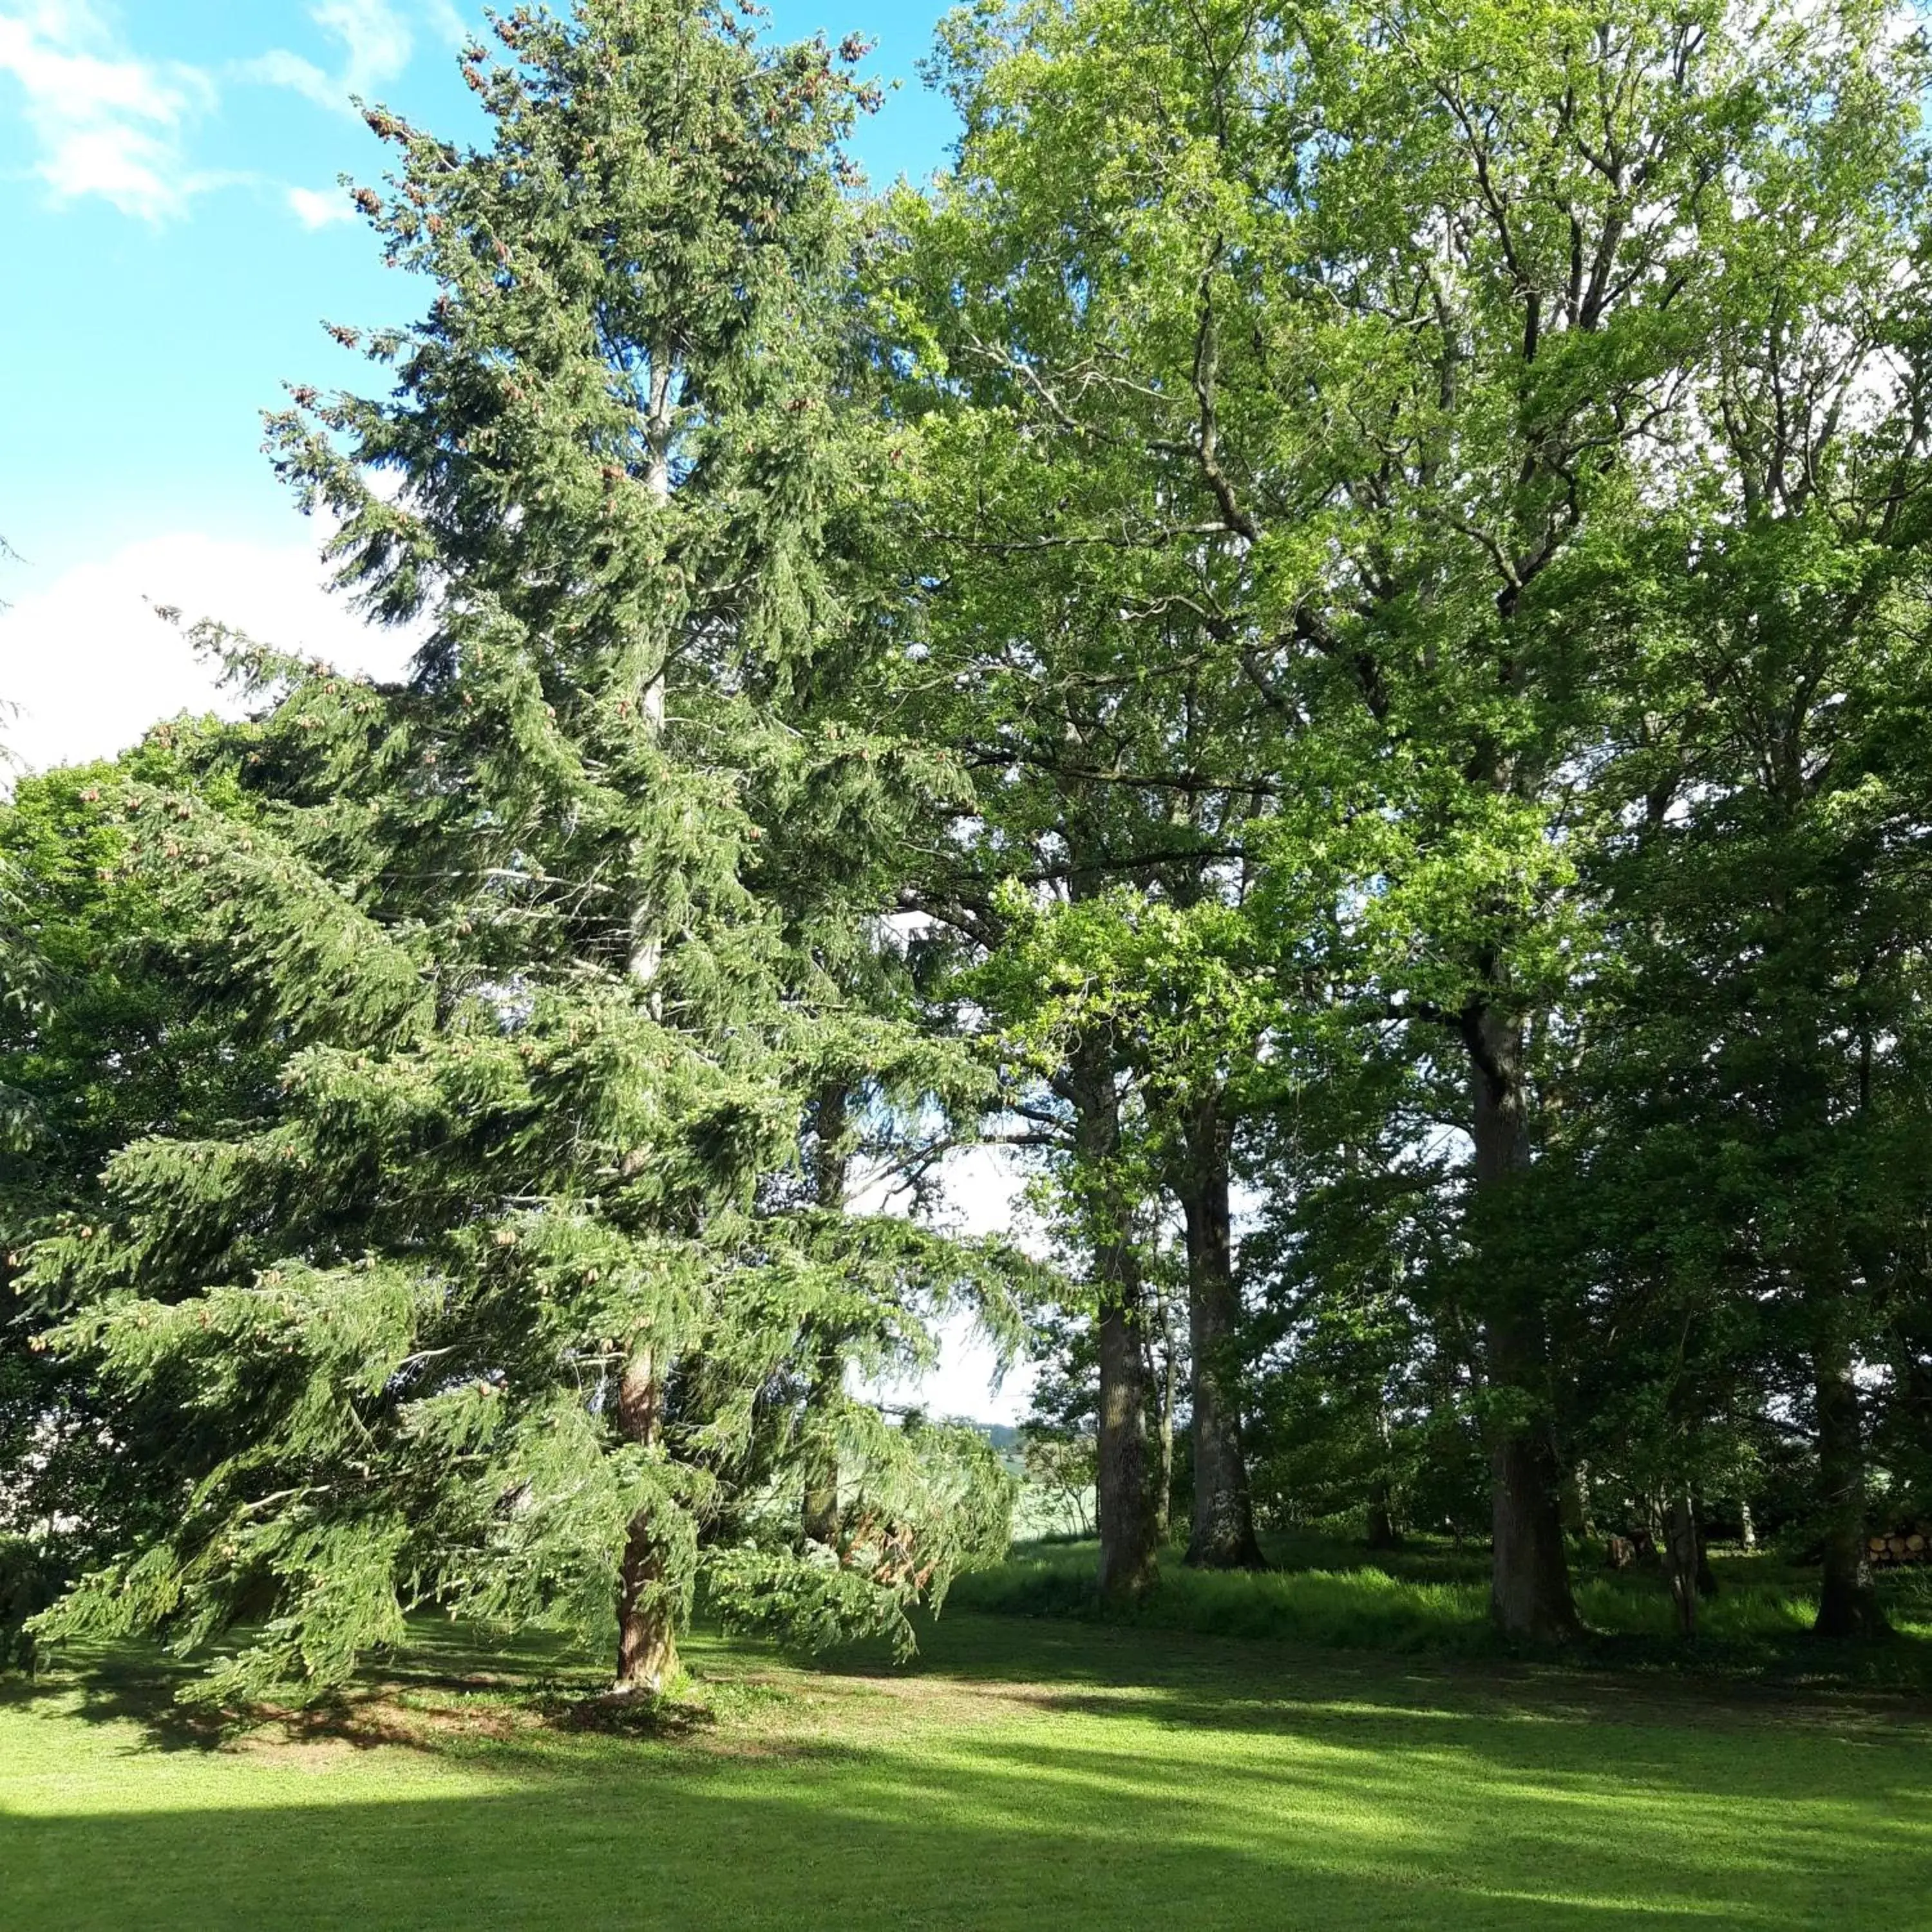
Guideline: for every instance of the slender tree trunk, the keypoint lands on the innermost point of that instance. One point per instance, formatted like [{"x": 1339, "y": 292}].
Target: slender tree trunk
[
  {"x": 647, "y": 1600},
  {"x": 1681, "y": 1552},
  {"x": 646, "y": 1597},
  {"x": 1122, "y": 1502},
  {"x": 1383, "y": 1534},
  {"x": 1163, "y": 1377},
  {"x": 1578, "y": 1510},
  {"x": 1384, "y": 1524},
  {"x": 660, "y": 424},
  {"x": 1223, "y": 1533},
  {"x": 820, "y": 1519},
  {"x": 1848, "y": 1605},
  {"x": 1529, "y": 1593},
  {"x": 646, "y": 941},
  {"x": 830, "y": 1168}
]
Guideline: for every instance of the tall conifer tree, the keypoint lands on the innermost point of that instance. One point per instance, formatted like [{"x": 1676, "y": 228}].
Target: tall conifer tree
[{"x": 503, "y": 1300}]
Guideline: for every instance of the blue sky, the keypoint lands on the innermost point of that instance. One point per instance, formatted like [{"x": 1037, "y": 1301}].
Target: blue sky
[{"x": 173, "y": 233}]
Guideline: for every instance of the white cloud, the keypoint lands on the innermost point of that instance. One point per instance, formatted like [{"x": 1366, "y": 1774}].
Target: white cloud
[
  {"x": 447, "y": 23},
  {"x": 106, "y": 123},
  {"x": 376, "y": 45},
  {"x": 90, "y": 666},
  {"x": 112, "y": 124},
  {"x": 320, "y": 208}
]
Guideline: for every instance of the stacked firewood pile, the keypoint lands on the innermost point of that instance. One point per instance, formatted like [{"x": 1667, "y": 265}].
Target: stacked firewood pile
[{"x": 1902, "y": 1545}]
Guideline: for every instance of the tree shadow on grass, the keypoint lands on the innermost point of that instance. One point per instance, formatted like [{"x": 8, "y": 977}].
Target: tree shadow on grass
[
  {"x": 444, "y": 1692},
  {"x": 1521, "y": 1715},
  {"x": 1229, "y": 1673},
  {"x": 1698, "y": 1739},
  {"x": 1017, "y": 1775},
  {"x": 1072, "y": 1825},
  {"x": 132, "y": 1685}
]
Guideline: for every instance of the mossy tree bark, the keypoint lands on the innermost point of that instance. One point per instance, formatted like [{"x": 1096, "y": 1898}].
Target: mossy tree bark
[
  {"x": 1530, "y": 1595},
  {"x": 1848, "y": 1606},
  {"x": 1223, "y": 1530},
  {"x": 1123, "y": 1500}
]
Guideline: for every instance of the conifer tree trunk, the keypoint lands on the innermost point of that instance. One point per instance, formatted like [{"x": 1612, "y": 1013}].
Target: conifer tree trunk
[
  {"x": 820, "y": 1517},
  {"x": 1223, "y": 1530},
  {"x": 660, "y": 421},
  {"x": 1529, "y": 1593},
  {"x": 1123, "y": 1503},
  {"x": 646, "y": 1613},
  {"x": 1848, "y": 1605},
  {"x": 646, "y": 1610},
  {"x": 831, "y": 1164}
]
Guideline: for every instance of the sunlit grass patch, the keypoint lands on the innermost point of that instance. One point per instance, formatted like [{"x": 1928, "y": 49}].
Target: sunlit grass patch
[{"x": 1021, "y": 1775}]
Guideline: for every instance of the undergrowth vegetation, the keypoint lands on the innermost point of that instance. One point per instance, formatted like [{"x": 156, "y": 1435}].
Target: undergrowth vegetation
[{"x": 1430, "y": 1597}]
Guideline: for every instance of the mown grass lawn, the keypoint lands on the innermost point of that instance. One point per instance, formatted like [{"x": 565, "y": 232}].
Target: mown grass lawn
[{"x": 1023, "y": 1775}]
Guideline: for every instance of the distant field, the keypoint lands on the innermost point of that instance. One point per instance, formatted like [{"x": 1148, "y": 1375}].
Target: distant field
[{"x": 1023, "y": 1774}]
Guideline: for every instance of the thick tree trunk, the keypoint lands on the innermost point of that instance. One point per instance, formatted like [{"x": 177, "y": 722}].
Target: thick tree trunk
[
  {"x": 1529, "y": 1593},
  {"x": 1848, "y": 1605},
  {"x": 1123, "y": 1503},
  {"x": 831, "y": 1161},
  {"x": 819, "y": 1520},
  {"x": 646, "y": 1603},
  {"x": 1223, "y": 1532},
  {"x": 1383, "y": 1534}
]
